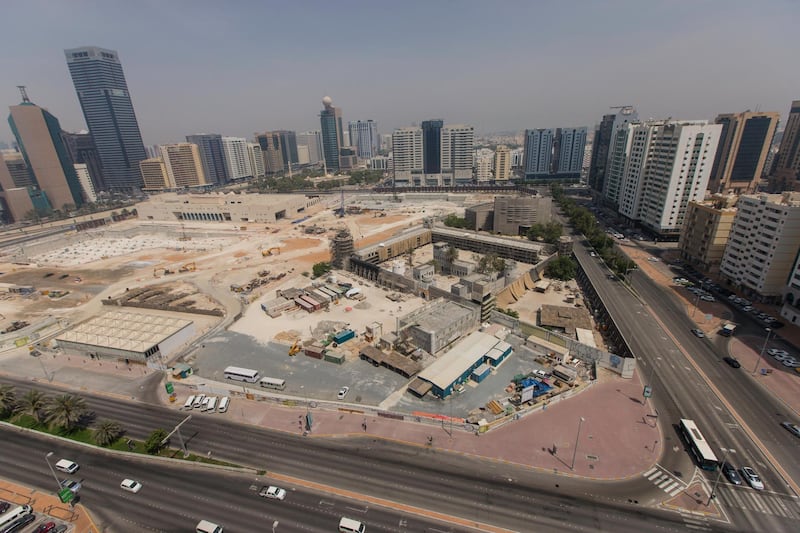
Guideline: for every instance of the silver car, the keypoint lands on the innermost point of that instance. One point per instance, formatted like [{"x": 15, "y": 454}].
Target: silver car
[{"x": 752, "y": 478}]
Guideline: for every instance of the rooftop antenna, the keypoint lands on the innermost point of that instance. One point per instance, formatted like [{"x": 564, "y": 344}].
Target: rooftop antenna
[{"x": 24, "y": 94}]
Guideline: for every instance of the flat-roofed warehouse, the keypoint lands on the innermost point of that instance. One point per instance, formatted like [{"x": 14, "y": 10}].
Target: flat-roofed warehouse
[
  {"x": 139, "y": 337},
  {"x": 219, "y": 207},
  {"x": 437, "y": 324}
]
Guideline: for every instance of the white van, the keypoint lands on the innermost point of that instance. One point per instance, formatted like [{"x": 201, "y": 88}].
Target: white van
[
  {"x": 204, "y": 526},
  {"x": 223, "y": 404},
  {"x": 198, "y": 400},
  {"x": 189, "y": 402},
  {"x": 65, "y": 465},
  {"x": 212, "y": 404},
  {"x": 348, "y": 525},
  {"x": 14, "y": 513}
]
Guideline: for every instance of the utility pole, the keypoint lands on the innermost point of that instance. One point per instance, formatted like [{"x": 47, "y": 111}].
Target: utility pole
[{"x": 180, "y": 437}]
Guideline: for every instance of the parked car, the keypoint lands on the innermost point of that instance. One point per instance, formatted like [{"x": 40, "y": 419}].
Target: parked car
[
  {"x": 747, "y": 308},
  {"x": 343, "y": 392},
  {"x": 698, "y": 333},
  {"x": 273, "y": 493},
  {"x": 708, "y": 298},
  {"x": 731, "y": 473},
  {"x": 732, "y": 362},
  {"x": 794, "y": 429},
  {"x": 775, "y": 352},
  {"x": 790, "y": 362},
  {"x": 752, "y": 478},
  {"x": 4, "y": 506},
  {"x": 47, "y": 527}
]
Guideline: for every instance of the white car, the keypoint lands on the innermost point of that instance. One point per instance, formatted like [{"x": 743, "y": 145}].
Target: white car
[
  {"x": 708, "y": 298},
  {"x": 775, "y": 351},
  {"x": 343, "y": 392},
  {"x": 273, "y": 493},
  {"x": 72, "y": 485},
  {"x": 130, "y": 485},
  {"x": 752, "y": 478}
]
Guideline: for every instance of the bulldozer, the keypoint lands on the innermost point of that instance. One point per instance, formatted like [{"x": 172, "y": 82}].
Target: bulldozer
[{"x": 294, "y": 348}]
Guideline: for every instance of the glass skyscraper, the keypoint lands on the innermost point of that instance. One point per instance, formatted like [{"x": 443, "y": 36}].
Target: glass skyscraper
[
  {"x": 108, "y": 111},
  {"x": 330, "y": 119}
]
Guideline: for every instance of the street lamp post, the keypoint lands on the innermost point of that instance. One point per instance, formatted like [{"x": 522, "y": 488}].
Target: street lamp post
[
  {"x": 719, "y": 475},
  {"x": 47, "y": 458},
  {"x": 763, "y": 348},
  {"x": 577, "y": 438}
]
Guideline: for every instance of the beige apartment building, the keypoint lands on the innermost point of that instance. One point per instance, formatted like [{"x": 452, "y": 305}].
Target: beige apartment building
[
  {"x": 502, "y": 163},
  {"x": 706, "y": 229},
  {"x": 154, "y": 174},
  {"x": 743, "y": 147},
  {"x": 184, "y": 166}
]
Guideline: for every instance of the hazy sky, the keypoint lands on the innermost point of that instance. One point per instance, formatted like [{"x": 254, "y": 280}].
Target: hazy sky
[{"x": 238, "y": 67}]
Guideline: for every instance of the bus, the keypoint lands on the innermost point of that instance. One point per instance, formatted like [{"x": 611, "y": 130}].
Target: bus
[
  {"x": 241, "y": 374},
  {"x": 698, "y": 445},
  {"x": 273, "y": 383}
]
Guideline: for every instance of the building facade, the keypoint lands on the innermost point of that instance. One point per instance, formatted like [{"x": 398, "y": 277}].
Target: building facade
[
  {"x": 407, "y": 155},
  {"x": 514, "y": 215},
  {"x": 618, "y": 147},
  {"x": 183, "y": 164},
  {"x": 312, "y": 140},
  {"x": 705, "y": 234},
  {"x": 256, "y": 160},
  {"x": 212, "y": 155},
  {"x": 432, "y": 146},
  {"x": 83, "y": 152},
  {"x": 108, "y": 110},
  {"x": 38, "y": 135},
  {"x": 154, "y": 174},
  {"x": 763, "y": 245},
  {"x": 538, "y": 153},
  {"x": 87, "y": 187},
  {"x": 570, "y": 153},
  {"x": 271, "y": 152},
  {"x": 237, "y": 158},
  {"x": 288, "y": 148},
  {"x": 219, "y": 207},
  {"x": 787, "y": 160},
  {"x": 364, "y": 138},
  {"x": 744, "y": 144},
  {"x": 17, "y": 168},
  {"x": 484, "y": 161},
  {"x": 502, "y": 163},
  {"x": 330, "y": 119}
]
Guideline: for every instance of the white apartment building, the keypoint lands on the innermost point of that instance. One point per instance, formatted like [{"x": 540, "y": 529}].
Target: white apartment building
[
  {"x": 517, "y": 157},
  {"x": 791, "y": 302},
  {"x": 256, "y": 160},
  {"x": 618, "y": 153},
  {"x": 668, "y": 165},
  {"x": 572, "y": 144},
  {"x": 458, "y": 145},
  {"x": 406, "y": 154},
  {"x": 763, "y": 245},
  {"x": 86, "y": 182},
  {"x": 237, "y": 158},
  {"x": 313, "y": 141},
  {"x": 364, "y": 138}
]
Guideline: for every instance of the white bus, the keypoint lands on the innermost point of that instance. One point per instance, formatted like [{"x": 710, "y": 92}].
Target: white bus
[
  {"x": 14, "y": 513},
  {"x": 273, "y": 383},
  {"x": 241, "y": 374},
  {"x": 698, "y": 445}
]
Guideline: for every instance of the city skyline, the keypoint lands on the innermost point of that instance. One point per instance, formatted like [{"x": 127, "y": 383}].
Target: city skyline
[{"x": 181, "y": 88}]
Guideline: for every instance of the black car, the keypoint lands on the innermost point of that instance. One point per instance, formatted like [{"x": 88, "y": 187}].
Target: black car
[
  {"x": 20, "y": 523},
  {"x": 733, "y": 362},
  {"x": 731, "y": 473},
  {"x": 4, "y": 507}
]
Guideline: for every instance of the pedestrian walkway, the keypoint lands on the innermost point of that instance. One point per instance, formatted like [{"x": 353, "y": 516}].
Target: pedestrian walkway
[
  {"x": 760, "y": 502},
  {"x": 662, "y": 479},
  {"x": 48, "y": 505}
]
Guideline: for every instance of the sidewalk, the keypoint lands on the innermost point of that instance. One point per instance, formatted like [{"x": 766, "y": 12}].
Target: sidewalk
[{"x": 45, "y": 503}]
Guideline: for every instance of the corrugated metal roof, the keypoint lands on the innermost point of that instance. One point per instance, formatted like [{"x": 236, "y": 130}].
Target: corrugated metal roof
[{"x": 448, "y": 367}]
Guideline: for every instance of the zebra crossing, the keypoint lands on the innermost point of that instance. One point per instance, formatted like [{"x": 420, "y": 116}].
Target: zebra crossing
[
  {"x": 696, "y": 523},
  {"x": 665, "y": 481},
  {"x": 759, "y": 502}
]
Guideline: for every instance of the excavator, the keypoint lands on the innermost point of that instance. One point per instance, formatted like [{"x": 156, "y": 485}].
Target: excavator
[
  {"x": 161, "y": 270},
  {"x": 188, "y": 267},
  {"x": 269, "y": 251},
  {"x": 294, "y": 348}
]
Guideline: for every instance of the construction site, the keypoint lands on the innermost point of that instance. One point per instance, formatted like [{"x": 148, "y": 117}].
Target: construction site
[{"x": 402, "y": 291}]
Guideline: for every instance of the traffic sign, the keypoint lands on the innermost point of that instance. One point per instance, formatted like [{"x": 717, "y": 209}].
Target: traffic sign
[
  {"x": 170, "y": 387},
  {"x": 648, "y": 391},
  {"x": 65, "y": 495}
]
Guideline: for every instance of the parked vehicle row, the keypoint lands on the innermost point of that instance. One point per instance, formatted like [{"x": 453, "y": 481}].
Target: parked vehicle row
[
  {"x": 783, "y": 357},
  {"x": 207, "y": 404},
  {"x": 747, "y": 473}
]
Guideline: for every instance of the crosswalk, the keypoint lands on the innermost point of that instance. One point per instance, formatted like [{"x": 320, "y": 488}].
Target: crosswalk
[
  {"x": 696, "y": 523},
  {"x": 759, "y": 502},
  {"x": 665, "y": 481}
]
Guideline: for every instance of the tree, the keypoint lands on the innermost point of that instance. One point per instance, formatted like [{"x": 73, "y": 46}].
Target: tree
[
  {"x": 549, "y": 232},
  {"x": 320, "y": 269},
  {"x": 562, "y": 267},
  {"x": 153, "y": 443},
  {"x": 33, "y": 403},
  {"x": 8, "y": 400},
  {"x": 66, "y": 411},
  {"x": 107, "y": 432},
  {"x": 490, "y": 263},
  {"x": 454, "y": 221},
  {"x": 510, "y": 312}
]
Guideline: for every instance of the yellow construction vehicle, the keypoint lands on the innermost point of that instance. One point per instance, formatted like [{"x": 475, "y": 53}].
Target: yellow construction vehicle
[
  {"x": 188, "y": 267},
  {"x": 294, "y": 348},
  {"x": 275, "y": 250},
  {"x": 161, "y": 270}
]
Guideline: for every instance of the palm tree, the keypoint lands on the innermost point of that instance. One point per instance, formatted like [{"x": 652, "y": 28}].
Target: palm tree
[
  {"x": 33, "y": 403},
  {"x": 106, "y": 432},
  {"x": 66, "y": 411},
  {"x": 8, "y": 399}
]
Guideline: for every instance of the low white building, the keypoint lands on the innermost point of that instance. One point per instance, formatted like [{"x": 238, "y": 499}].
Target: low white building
[{"x": 230, "y": 207}]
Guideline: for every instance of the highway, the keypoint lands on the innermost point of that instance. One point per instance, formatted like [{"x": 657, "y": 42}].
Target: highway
[
  {"x": 657, "y": 330},
  {"x": 502, "y": 495}
]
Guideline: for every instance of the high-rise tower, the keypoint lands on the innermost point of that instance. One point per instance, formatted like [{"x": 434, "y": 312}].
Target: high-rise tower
[
  {"x": 108, "y": 111},
  {"x": 432, "y": 146},
  {"x": 742, "y": 151},
  {"x": 330, "y": 119},
  {"x": 787, "y": 164}
]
